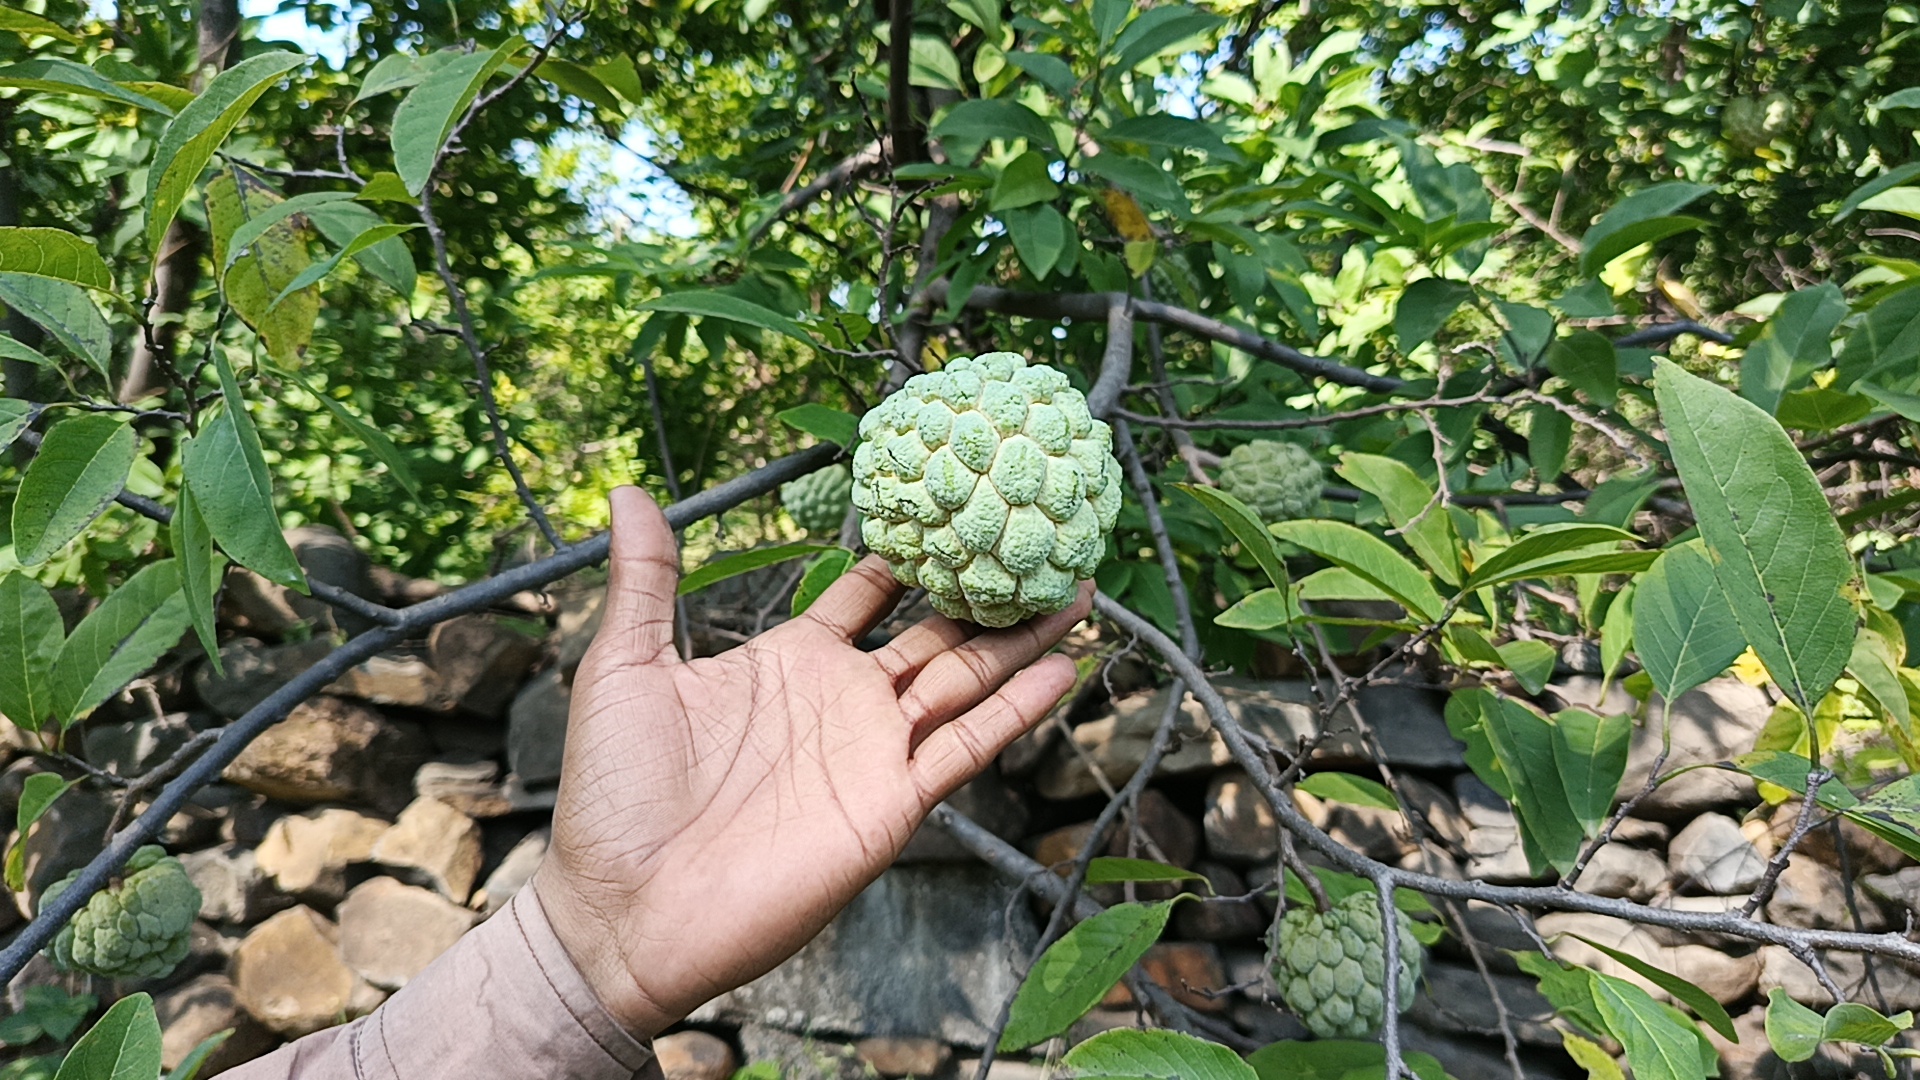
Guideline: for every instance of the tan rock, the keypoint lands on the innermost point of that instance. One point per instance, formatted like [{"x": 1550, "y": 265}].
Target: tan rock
[
  {"x": 332, "y": 750},
  {"x": 435, "y": 845},
  {"x": 306, "y": 855},
  {"x": 390, "y": 932},
  {"x": 694, "y": 1055},
  {"x": 288, "y": 973},
  {"x": 1240, "y": 826},
  {"x": 514, "y": 871},
  {"x": 480, "y": 662},
  {"x": 1896, "y": 984},
  {"x": 1812, "y": 894},
  {"x": 1190, "y": 971},
  {"x": 473, "y": 788},
  {"x": 537, "y": 728},
  {"x": 903, "y": 1056},
  {"x": 1117, "y": 743},
  {"x": 1621, "y": 871},
  {"x": 202, "y": 1007}
]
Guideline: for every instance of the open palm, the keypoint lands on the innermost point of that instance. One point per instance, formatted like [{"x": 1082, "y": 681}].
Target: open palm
[{"x": 715, "y": 814}]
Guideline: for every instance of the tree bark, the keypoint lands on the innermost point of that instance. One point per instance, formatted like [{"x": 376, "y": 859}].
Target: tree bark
[
  {"x": 17, "y": 376},
  {"x": 177, "y": 273}
]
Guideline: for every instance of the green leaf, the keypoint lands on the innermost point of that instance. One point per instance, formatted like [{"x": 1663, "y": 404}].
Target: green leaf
[
  {"x": 1549, "y": 436},
  {"x": 54, "y": 75},
  {"x": 1820, "y": 408},
  {"x": 1529, "y": 332},
  {"x": 1638, "y": 219},
  {"x": 1852, "y": 1022},
  {"x": 120, "y": 639},
  {"x": 734, "y": 565},
  {"x": 1424, "y": 307},
  {"x": 1369, "y": 557},
  {"x": 1797, "y": 339},
  {"x": 1137, "y": 175},
  {"x": 1040, "y": 235},
  {"x": 1886, "y": 338},
  {"x": 1616, "y": 629},
  {"x": 1404, "y": 496},
  {"x": 274, "y": 256},
  {"x": 258, "y": 221},
  {"x": 398, "y": 71},
  {"x": 1531, "y": 663},
  {"x": 582, "y": 83},
  {"x": 1907, "y": 405},
  {"x": 196, "y": 1059},
  {"x": 200, "y": 570},
  {"x": 38, "y": 793},
  {"x": 1077, "y": 971},
  {"x": 228, "y": 473},
  {"x": 1262, "y": 609},
  {"x": 1112, "y": 870},
  {"x": 1874, "y": 665},
  {"x": 64, "y": 311},
  {"x": 14, "y": 350},
  {"x": 1590, "y": 1056},
  {"x": 1166, "y": 132},
  {"x": 1159, "y": 29},
  {"x": 1589, "y": 363},
  {"x": 822, "y": 572},
  {"x": 29, "y": 25},
  {"x": 1336, "y": 583},
  {"x": 1890, "y": 179},
  {"x": 1529, "y": 748},
  {"x": 1658, "y": 1046},
  {"x": 31, "y": 633},
  {"x": 1683, "y": 991},
  {"x": 314, "y": 274},
  {"x": 428, "y": 114},
  {"x": 82, "y": 464},
  {"x": 1024, "y": 182},
  {"x": 1778, "y": 554},
  {"x": 993, "y": 118},
  {"x": 831, "y": 425},
  {"x": 1335, "y": 1059},
  {"x": 373, "y": 438},
  {"x": 930, "y": 62},
  {"x": 1539, "y": 548},
  {"x": 1051, "y": 71},
  {"x": 1348, "y": 788},
  {"x": 1793, "y": 1030},
  {"x": 1683, "y": 629},
  {"x": 718, "y": 305},
  {"x": 15, "y": 414},
  {"x": 1154, "y": 1054},
  {"x": 124, "y": 1045},
  {"x": 53, "y": 253},
  {"x": 1590, "y": 752},
  {"x": 192, "y": 136},
  {"x": 1245, "y": 526},
  {"x": 1568, "y": 989},
  {"x": 389, "y": 259}
]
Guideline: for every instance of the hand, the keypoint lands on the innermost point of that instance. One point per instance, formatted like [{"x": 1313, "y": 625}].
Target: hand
[{"x": 715, "y": 814}]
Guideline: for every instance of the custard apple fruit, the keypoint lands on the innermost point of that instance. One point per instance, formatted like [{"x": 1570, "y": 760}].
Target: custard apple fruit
[
  {"x": 818, "y": 500},
  {"x": 137, "y": 929},
  {"x": 989, "y": 484},
  {"x": 1330, "y": 965},
  {"x": 1278, "y": 480}
]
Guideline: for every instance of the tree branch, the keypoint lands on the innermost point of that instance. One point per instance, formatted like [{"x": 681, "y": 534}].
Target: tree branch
[{"x": 850, "y": 168}]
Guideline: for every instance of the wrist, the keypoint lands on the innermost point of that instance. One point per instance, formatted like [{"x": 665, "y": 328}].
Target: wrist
[{"x": 594, "y": 946}]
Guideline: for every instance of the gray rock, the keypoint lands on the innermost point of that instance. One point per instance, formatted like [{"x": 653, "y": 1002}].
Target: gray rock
[
  {"x": 989, "y": 802},
  {"x": 257, "y": 605},
  {"x": 480, "y": 663},
  {"x": 1454, "y": 998},
  {"x": 515, "y": 870},
  {"x": 537, "y": 728},
  {"x": 390, "y": 932},
  {"x": 1642, "y": 833},
  {"x": 1407, "y": 723},
  {"x": 1240, "y": 826},
  {"x": 65, "y": 838},
  {"x": 252, "y": 670},
  {"x": 1436, "y": 809},
  {"x": 433, "y": 844},
  {"x": 202, "y": 1007},
  {"x": 925, "y": 950},
  {"x": 471, "y": 787},
  {"x": 1812, "y": 894},
  {"x": 581, "y": 610},
  {"x": 1116, "y": 743},
  {"x": 1898, "y": 889},
  {"x": 135, "y": 746},
  {"x": 800, "y": 1057},
  {"x": 1713, "y": 723},
  {"x": 1484, "y": 1059},
  {"x": 1899, "y": 983},
  {"x": 1712, "y": 856},
  {"x": 1378, "y": 834},
  {"x": 1621, "y": 871},
  {"x": 1228, "y": 915},
  {"x": 333, "y": 750},
  {"x": 394, "y": 679},
  {"x": 1492, "y": 845},
  {"x": 232, "y": 887}
]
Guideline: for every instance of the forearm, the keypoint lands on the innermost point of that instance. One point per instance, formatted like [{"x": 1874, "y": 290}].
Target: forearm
[{"x": 505, "y": 1002}]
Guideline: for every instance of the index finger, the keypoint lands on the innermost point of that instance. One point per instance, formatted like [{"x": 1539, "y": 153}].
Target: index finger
[{"x": 857, "y": 602}]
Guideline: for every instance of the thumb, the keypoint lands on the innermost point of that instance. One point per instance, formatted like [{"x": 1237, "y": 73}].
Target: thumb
[{"x": 644, "y": 573}]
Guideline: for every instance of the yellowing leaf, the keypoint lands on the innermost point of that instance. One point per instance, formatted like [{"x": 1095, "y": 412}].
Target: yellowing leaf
[{"x": 272, "y": 261}]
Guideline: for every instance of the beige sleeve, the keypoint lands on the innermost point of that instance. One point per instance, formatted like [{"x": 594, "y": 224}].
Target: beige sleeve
[{"x": 505, "y": 1002}]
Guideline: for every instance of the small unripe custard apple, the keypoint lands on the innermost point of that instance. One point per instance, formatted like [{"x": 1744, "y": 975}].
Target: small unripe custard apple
[
  {"x": 1331, "y": 966},
  {"x": 1277, "y": 480},
  {"x": 818, "y": 501},
  {"x": 139, "y": 928},
  {"x": 989, "y": 484}
]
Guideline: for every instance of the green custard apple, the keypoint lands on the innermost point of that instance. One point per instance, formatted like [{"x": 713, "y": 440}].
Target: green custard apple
[
  {"x": 137, "y": 929},
  {"x": 818, "y": 501},
  {"x": 1331, "y": 966},
  {"x": 989, "y": 484},
  {"x": 1277, "y": 480}
]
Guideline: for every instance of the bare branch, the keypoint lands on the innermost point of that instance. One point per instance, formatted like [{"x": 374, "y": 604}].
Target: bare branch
[{"x": 849, "y": 169}]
